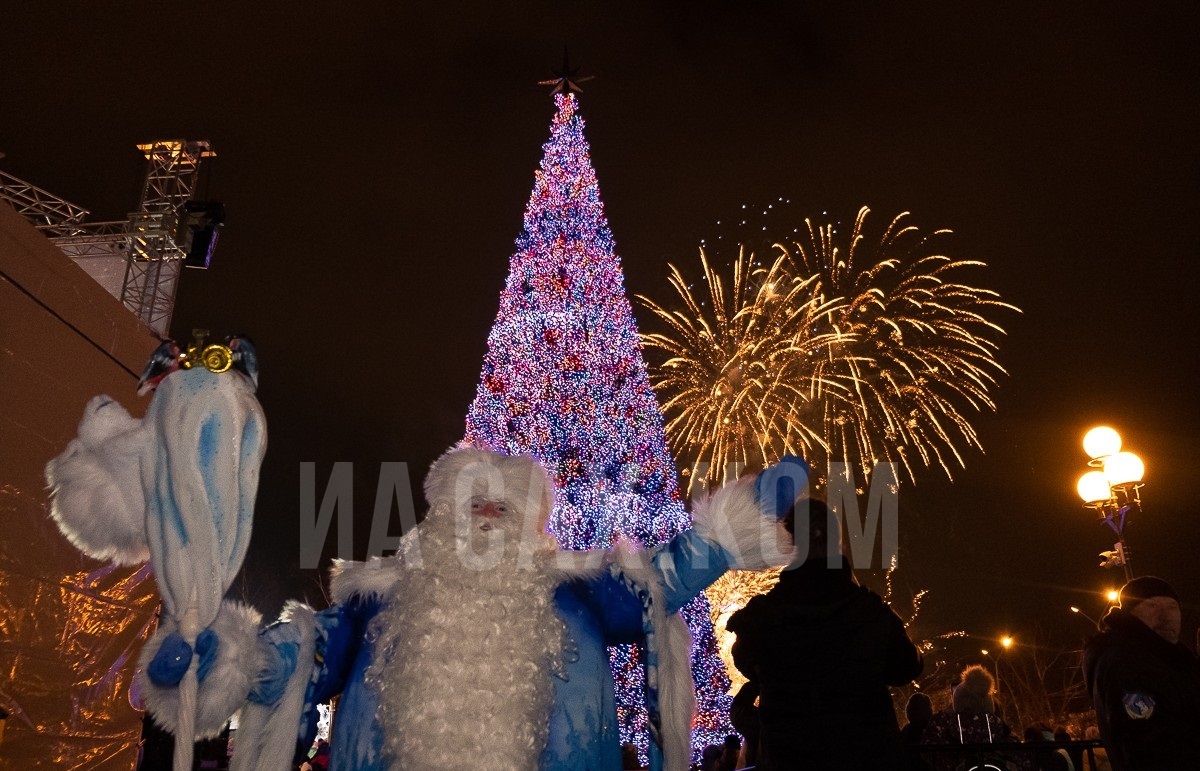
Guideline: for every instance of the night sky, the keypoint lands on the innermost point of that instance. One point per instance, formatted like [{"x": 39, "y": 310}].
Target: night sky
[{"x": 375, "y": 161}]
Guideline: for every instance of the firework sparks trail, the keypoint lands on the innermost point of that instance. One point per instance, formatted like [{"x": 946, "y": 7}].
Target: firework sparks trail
[
  {"x": 730, "y": 394},
  {"x": 862, "y": 352}
]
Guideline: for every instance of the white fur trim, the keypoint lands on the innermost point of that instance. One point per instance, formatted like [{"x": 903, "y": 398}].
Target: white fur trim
[
  {"x": 96, "y": 488},
  {"x": 378, "y": 576},
  {"x": 348, "y": 578},
  {"x": 463, "y": 472},
  {"x": 676, "y": 692},
  {"x": 732, "y": 518},
  {"x": 267, "y": 735},
  {"x": 572, "y": 565},
  {"x": 227, "y": 683},
  {"x": 676, "y": 686}
]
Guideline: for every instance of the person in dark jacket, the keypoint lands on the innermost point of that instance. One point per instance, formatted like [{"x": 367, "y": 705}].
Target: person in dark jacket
[
  {"x": 1144, "y": 683},
  {"x": 824, "y": 649}
]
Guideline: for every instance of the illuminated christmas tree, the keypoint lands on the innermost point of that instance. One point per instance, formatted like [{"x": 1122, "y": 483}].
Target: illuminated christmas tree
[{"x": 564, "y": 380}]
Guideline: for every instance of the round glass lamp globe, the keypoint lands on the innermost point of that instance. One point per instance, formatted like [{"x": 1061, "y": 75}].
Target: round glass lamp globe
[
  {"x": 1101, "y": 441},
  {"x": 1093, "y": 487},
  {"x": 1123, "y": 468}
]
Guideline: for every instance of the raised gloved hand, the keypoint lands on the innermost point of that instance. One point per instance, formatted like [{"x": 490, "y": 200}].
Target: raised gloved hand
[{"x": 777, "y": 487}]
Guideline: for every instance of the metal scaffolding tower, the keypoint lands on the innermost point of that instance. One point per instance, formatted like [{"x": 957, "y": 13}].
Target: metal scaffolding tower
[
  {"x": 138, "y": 260},
  {"x": 154, "y": 256}
]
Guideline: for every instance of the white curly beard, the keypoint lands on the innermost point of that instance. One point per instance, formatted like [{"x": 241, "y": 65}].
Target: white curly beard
[{"x": 465, "y": 655}]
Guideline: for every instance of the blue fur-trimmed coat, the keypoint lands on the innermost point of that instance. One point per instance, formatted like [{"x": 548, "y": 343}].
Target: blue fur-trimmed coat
[
  {"x": 631, "y": 597},
  {"x": 614, "y": 605}
]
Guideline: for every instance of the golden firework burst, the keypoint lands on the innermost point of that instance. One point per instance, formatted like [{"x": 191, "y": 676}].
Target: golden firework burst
[{"x": 858, "y": 352}]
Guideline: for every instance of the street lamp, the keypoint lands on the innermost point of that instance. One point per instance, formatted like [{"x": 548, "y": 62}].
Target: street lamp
[
  {"x": 1005, "y": 643},
  {"x": 1111, "y": 489},
  {"x": 1079, "y": 612}
]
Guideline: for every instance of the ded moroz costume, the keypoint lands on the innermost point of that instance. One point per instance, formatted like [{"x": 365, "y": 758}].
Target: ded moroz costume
[{"x": 479, "y": 644}]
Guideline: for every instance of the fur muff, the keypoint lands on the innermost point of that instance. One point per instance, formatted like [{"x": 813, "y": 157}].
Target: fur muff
[{"x": 96, "y": 489}]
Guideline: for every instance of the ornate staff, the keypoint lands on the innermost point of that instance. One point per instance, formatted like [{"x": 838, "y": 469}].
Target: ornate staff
[{"x": 199, "y": 449}]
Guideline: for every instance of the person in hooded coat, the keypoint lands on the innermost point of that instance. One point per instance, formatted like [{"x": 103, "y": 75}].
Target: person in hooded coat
[
  {"x": 971, "y": 718},
  {"x": 824, "y": 651}
]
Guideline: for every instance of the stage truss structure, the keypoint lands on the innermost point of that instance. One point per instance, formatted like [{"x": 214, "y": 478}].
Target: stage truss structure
[{"x": 138, "y": 259}]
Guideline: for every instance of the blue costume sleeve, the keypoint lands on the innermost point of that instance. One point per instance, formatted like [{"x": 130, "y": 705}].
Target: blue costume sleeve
[
  {"x": 691, "y": 561},
  {"x": 687, "y": 565},
  {"x": 340, "y": 631},
  {"x": 683, "y": 568}
]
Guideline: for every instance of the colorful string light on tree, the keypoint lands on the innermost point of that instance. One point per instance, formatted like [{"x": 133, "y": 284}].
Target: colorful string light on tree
[{"x": 564, "y": 380}]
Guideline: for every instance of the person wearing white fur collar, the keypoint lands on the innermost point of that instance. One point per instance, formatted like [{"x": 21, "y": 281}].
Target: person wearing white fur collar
[{"x": 479, "y": 644}]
